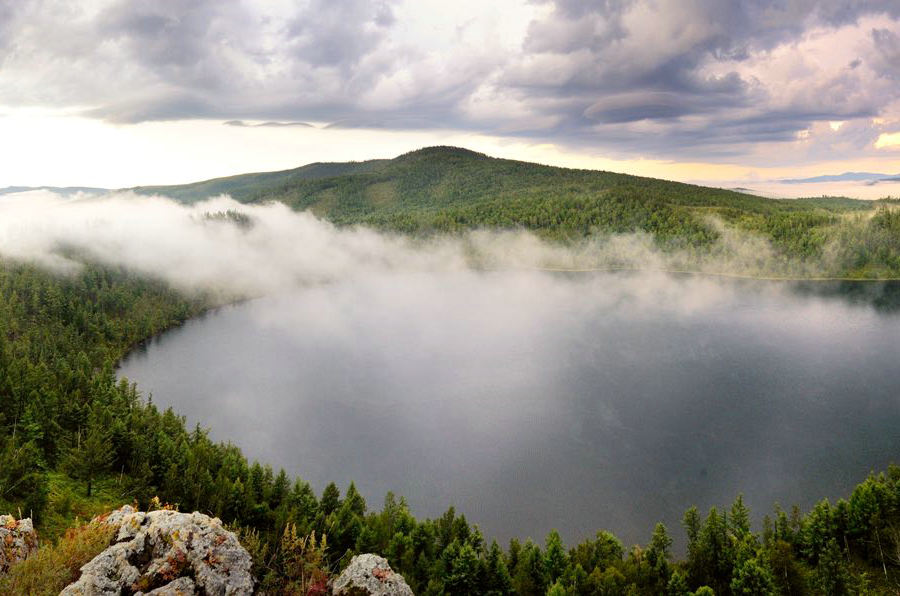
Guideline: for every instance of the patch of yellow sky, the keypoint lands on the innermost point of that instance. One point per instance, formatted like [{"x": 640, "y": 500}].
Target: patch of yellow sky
[
  {"x": 62, "y": 149},
  {"x": 886, "y": 140}
]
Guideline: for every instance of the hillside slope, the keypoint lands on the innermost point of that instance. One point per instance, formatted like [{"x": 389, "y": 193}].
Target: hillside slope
[
  {"x": 436, "y": 178},
  {"x": 247, "y": 187},
  {"x": 449, "y": 190}
]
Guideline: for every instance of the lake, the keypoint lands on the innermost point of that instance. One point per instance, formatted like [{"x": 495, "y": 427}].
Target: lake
[{"x": 532, "y": 401}]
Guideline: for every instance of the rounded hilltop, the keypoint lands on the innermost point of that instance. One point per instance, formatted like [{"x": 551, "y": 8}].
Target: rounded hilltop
[{"x": 440, "y": 151}]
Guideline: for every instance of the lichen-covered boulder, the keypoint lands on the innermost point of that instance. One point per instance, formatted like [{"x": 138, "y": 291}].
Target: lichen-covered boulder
[
  {"x": 370, "y": 575},
  {"x": 17, "y": 540},
  {"x": 183, "y": 586},
  {"x": 166, "y": 553}
]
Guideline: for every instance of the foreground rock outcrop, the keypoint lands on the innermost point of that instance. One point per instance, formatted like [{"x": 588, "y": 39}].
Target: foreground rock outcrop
[
  {"x": 370, "y": 575},
  {"x": 166, "y": 553},
  {"x": 17, "y": 541}
]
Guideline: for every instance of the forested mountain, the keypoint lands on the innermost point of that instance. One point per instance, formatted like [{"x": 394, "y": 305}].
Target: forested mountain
[
  {"x": 451, "y": 190},
  {"x": 439, "y": 177}
]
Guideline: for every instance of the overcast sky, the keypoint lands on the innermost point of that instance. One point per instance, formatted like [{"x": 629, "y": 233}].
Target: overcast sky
[{"x": 117, "y": 92}]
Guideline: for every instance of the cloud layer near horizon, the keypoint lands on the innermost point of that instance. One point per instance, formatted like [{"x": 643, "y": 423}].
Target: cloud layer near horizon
[
  {"x": 196, "y": 248},
  {"x": 692, "y": 78}
]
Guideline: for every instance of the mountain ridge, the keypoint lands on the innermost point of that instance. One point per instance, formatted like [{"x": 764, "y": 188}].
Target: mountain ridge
[
  {"x": 426, "y": 174},
  {"x": 845, "y": 177}
]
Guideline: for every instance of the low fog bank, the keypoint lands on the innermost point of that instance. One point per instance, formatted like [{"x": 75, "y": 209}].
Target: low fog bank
[
  {"x": 202, "y": 246},
  {"x": 267, "y": 248}
]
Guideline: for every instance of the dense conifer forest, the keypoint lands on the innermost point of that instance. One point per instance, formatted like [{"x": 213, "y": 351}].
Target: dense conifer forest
[
  {"x": 76, "y": 442},
  {"x": 440, "y": 190}
]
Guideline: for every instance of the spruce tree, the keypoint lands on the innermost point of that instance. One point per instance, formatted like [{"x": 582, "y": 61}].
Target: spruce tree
[
  {"x": 92, "y": 453},
  {"x": 555, "y": 559}
]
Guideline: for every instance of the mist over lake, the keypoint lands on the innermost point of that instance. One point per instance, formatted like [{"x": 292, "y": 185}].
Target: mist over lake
[{"x": 532, "y": 401}]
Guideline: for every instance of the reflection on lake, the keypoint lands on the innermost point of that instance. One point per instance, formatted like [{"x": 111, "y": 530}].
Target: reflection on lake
[{"x": 534, "y": 401}]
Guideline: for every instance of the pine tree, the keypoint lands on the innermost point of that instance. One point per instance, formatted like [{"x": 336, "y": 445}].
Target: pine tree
[
  {"x": 92, "y": 454},
  {"x": 303, "y": 503},
  {"x": 354, "y": 500},
  {"x": 331, "y": 499},
  {"x": 740, "y": 518},
  {"x": 497, "y": 580},
  {"x": 460, "y": 569},
  {"x": 280, "y": 489},
  {"x": 23, "y": 482},
  {"x": 831, "y": 575},
  {"x": 658, "y": 555},
  {"x": 555, "y": 559},
  {"x": 530, "y": 577}
]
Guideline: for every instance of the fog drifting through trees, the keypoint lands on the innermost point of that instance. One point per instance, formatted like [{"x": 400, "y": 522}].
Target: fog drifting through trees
[{"x": 267, "y": 248}]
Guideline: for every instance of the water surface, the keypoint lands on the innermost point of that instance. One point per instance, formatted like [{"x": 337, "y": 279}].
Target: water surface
[{"x": 534, "y": 401}]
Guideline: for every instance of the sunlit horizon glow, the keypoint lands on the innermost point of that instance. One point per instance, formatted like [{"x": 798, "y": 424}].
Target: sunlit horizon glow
[{"x": 112, "y": 94}]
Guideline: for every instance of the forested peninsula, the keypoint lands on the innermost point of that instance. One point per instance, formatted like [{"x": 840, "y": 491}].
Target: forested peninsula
[{"x": 76, "y": 442}]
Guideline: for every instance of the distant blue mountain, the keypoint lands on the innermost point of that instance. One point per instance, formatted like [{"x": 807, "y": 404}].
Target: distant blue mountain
[
  {"x": 62, "y": 190},
  {"x": 845, "y": 177}
]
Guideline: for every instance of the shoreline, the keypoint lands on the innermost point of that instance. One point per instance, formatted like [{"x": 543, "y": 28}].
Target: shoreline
[{"x": 701, "y": 273}]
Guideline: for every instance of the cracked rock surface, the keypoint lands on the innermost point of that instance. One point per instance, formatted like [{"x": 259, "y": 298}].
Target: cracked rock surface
[
  {"x": 370, "y": 575},
  {"x": 166, "y": 553}
]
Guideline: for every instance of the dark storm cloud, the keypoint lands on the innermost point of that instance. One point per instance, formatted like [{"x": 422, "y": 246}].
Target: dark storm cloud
[
  {"x": 648, "y": 75},
  {"x": 632, "y": 61},
  {"x": 339, "y": 34},
  {"x": 888, "y": 45},
  {"x": 270, "y": 124}
]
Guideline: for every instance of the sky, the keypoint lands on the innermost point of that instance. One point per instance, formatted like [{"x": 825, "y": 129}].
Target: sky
[{"x": 116, "y": 93}]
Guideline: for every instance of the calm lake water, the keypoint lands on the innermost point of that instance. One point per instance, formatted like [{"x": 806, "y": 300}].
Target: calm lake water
[{"x": 535, "y": 401}]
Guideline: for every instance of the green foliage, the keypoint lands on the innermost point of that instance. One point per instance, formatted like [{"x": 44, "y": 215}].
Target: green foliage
[
  {"x": 60, "y": 337},
  {"x": 23, "y": 482},
  {"x": 449, "y": 190},
  {"x": 530, "y": 575},
  {"x": 460, "y": 569},
  {"x": 606, "y": 550},
  {"x": 555, "y": 559},
  {"x": 76, "y": 441},
  {"x": 677, "y": 585},
  {"x": 557, "y": 589},
  {"x": 657, "y": 556},
  {"x": 752, "y": 578},
  {"x": 69, "y": 503},
  {"x": 831, "y": 575},
  {"x": 93, "y": 452}
]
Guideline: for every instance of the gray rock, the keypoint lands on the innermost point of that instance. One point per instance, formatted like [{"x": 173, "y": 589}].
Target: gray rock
[
  {"x": 166, "y": 553},
  {"x": 370, "y": 575},
  {"x": 17, "y": 541},
  {"x": 183, "y": 586}
]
